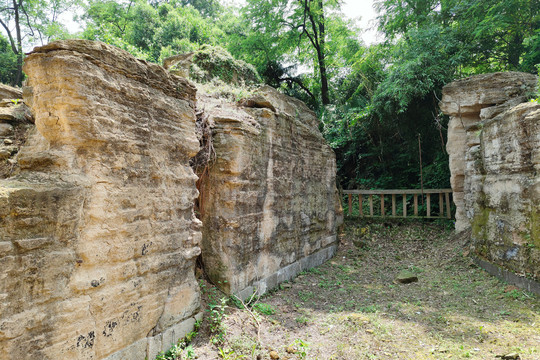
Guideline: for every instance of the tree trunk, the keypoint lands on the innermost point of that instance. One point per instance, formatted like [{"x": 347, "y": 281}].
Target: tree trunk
[
  {"x": 321, "y": 58},
  {"x": 19, "y": 53},
  {"x": 515, "y": 49}
]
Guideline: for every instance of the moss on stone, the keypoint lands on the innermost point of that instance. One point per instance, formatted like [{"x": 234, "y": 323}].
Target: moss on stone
[
  {"x": 480, "y": 222},
  {"x": 535, "y": 227},
  {"x": 210, "y": 62}
]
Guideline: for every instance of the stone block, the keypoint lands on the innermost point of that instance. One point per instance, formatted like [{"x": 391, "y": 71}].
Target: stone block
[
  {"x": 495, "y": 174},
  {"x": 269, "y": 199},
  {"x": 101, "y": 213}
]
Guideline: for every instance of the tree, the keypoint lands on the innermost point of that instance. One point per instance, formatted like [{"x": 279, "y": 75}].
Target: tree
[
  {"x": 151, "y": 30},
  {"x": 26, "y": 22},
  {"x": 285, "y": 33},
  {"x": 8, "y": 62},
  {"x": 313, "y": 27},
  {"x": 207, "y": 8},
  {"x": 497, "y": 34},
  {"x": 12, "y": 14}
]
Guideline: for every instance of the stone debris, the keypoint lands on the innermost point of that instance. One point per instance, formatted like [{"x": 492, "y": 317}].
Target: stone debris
[
  {"x": 10, "y": 92},
  {"x": 406, "y": 277},
  {"x": 510, "y": 356}
]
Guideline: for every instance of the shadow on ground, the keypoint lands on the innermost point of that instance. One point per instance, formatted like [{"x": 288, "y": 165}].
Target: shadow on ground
[{"x": 352, "y": 308}]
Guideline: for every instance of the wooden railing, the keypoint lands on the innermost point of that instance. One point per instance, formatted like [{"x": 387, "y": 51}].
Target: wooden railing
[{"x": 443, "y": 210}]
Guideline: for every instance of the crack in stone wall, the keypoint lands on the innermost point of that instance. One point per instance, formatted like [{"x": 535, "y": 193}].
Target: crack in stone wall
[{"x": 98, "y": 235}]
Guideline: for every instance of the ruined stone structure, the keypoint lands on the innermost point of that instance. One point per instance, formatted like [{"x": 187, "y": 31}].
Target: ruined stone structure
[
  {"x": 98, "y": 234},
  {"x": 494, "y": 148},
  {"x": 269, "y": 200}
]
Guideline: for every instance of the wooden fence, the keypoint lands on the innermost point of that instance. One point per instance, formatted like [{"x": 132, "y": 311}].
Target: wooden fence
[{"x": 443, "y": 209}]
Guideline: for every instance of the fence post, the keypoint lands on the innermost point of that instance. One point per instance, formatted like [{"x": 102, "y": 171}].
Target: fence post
[
  {"x": 441, "y": 205},
  {"x": 448, "y": 215},
  {"x": 404, "y": 205},
  {"x": 443, "y": 194}
]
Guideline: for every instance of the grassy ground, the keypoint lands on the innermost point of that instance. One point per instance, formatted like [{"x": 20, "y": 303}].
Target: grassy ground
[{"x": 352, "y": 308}]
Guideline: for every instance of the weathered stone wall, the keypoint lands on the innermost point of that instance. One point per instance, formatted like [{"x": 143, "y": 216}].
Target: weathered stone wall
[
  {"x": 269, "y": 200},
  {"x": 15, "y": 122},
  {"x": 97, "y": 232},
  {"x": 494, "y": 147}
]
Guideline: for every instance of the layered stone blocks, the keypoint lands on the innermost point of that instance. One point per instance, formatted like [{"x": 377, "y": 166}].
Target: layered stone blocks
[
  {"x": 98, "y": 231},
  {"x": 494, "y": 142},
  {"x": 98, "y": 234},
  {"x": 269, "y": 200}
]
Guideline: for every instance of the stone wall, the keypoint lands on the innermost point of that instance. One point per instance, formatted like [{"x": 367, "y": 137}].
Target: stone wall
[
  {"x": 98, "y": 234},
  {"x": 494, "y": 147},
  {"x": 15, "y": 122},
  {"x": 268, "y": 201},
  {"x": 98, "y": 237}
]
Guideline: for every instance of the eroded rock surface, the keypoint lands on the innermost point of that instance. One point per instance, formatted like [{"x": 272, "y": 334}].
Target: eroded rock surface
[
  {"x": 16, "y": 121},
  {"x": 98, "y": 234},
  {"x": 467, "y": 102},
  {"x": 268, "y": 201},
  {"x": 494, "y": 147},
  {"x": 98, "y": 237}
]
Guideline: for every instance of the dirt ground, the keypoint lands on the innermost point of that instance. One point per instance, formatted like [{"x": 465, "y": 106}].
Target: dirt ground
[{"x": 352, "y": 307}]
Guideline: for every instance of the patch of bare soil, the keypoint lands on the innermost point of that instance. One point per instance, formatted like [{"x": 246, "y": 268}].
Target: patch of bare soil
[{"x": 352, "y": 307}]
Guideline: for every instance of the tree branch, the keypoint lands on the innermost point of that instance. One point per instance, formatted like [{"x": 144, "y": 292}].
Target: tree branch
[
  {"x": 299, "y": 83},
  {"x": 27, "y": 18},
  {"x": 304, "y": 27},
  {"x": 11, "y": 40}
]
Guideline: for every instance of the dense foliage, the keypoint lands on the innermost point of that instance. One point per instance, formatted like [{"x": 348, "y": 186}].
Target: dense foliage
[{"x": 378, "y": 104}]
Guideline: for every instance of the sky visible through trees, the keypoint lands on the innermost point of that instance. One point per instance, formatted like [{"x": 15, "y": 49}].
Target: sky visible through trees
[{"x": 375, "y": 82}]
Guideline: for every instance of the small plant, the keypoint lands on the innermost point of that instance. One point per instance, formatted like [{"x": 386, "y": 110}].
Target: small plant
[
  {"x": 316, "y": 271},
  {"x": 190, "y": 353},
  {"x": 236, "y": 302},
  {"x": 369, "y": 309},
  {"x": 305, "y": 295},
  {"x": 173, "y": 353},
  {"x": 183, "y": 347},
  {"x": 217, "y": 315},
  {"x": 265, "y": 309},
  {"x": 301, "y": 348},
  {"x": 517, "y": 295},
  {"x": 217, "y": 303},
  {"x": 229, "y": 354},
  {"x": 15, "y": 101}
]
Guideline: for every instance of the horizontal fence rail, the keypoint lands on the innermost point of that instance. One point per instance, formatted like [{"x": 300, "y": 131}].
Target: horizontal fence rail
[{"x": 420, "y": 208}]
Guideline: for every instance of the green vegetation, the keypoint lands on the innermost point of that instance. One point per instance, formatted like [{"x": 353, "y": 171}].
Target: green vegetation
[
  {"x": 265, "y": 309},
  {"x": 455, "y": 310},
  {"x": 375, "y": 102},
  {"x": 183, "y": 349}
]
